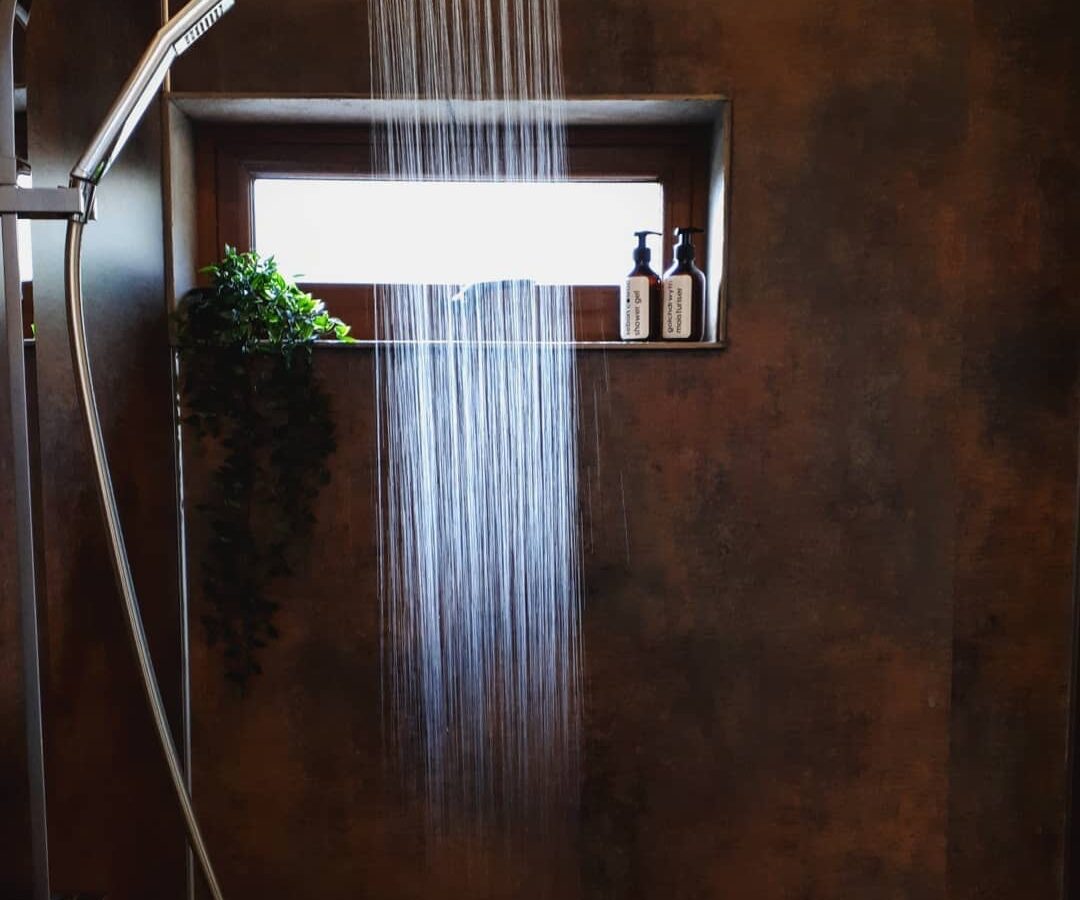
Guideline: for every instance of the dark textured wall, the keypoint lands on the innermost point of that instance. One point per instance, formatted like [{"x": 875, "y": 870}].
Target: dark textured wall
[
  {"x": 834, "y": 662},
  {"x": 1014, "y": 439}
]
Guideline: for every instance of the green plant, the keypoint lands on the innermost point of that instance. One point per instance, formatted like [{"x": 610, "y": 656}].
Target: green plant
[{"x": 250, "y": 391}]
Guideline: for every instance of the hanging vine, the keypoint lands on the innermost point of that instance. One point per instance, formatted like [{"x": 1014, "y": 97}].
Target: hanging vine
[{"x": 249, "y": 391}]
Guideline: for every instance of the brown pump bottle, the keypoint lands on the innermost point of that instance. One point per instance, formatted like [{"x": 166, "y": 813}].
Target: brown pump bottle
[
  {"x": 684, "y": 292},
  {"x": 641, "y": 303}
]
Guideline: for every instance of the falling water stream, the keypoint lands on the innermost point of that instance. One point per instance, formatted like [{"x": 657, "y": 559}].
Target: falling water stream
[{"x": 479, "y": 524}]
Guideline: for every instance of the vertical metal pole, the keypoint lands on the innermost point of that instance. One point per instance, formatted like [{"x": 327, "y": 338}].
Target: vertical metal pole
[
  {"x": 20, "y": 431},
  {"x": 178, "y": 471},
  {"x": 182, "y": 571}
]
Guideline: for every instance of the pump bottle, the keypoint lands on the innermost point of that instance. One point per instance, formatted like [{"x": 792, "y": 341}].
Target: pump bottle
[
  {"x": 640, "y": 307},
  {"x": 684, "y": 292}
]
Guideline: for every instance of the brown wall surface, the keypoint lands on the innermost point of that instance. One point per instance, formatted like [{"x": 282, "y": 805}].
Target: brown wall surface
[
  {"x": 1015, "y": 442},
  {"x": 836, "y": 661}
]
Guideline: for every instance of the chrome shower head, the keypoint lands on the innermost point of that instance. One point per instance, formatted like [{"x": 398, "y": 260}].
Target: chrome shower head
[
  {"x": 175, "y": 38},
  {"x": 477, "y": 291},
  {"x": 203, "y": 25}
]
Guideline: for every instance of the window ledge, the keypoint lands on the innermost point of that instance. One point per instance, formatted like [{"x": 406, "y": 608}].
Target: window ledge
[{"x": 638, "y": 346}]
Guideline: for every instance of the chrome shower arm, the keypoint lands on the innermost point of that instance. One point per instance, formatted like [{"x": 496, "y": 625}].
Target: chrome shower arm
[{"x": 175, "y": 38}]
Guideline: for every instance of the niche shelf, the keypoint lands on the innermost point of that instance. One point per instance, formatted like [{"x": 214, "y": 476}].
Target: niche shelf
[
  {"x": 621, "y": 346},
  {"x": 191, "y": 115}
]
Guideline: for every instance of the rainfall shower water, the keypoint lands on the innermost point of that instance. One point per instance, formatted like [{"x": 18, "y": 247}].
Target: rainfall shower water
[{"x": 479, "y": 512}]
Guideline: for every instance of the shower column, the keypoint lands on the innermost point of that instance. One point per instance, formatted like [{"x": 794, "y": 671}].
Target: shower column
[{"x": 16, "y": 203}]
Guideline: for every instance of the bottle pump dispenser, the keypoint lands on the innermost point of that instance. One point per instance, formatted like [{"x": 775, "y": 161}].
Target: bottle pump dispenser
[
  {"x": 684, "y": 292},
  {"x": 641, "y": 304}
]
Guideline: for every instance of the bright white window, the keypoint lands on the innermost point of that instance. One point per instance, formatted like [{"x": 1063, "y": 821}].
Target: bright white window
[
  {"x": 26, "y": 253},
  {"x": 352, "y": 231}
]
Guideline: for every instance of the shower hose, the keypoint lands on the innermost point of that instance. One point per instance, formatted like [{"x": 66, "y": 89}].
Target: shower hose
[{"x": 121, "y": 564}]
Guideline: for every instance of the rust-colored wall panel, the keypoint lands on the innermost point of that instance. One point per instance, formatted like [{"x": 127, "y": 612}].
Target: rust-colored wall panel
[
  {"x": 282, "y": 47},
  {"x": 753, "y": 717},
  {"x": 1016, "y": 434},
  {"x": 773, "y": 705},
  {"x": 777, "y": 721}
]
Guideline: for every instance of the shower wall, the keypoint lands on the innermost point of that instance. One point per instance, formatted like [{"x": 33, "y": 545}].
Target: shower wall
[{"x": 828, "y": 608}]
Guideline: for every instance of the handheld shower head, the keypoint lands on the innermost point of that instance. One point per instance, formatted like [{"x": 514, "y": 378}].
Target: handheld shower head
[
  {"x": 203, "y": 25},
  {"x": 174, "y": 39}
]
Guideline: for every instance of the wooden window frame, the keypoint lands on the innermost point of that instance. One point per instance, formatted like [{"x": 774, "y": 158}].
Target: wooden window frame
[{"x": 231, "y": 157}]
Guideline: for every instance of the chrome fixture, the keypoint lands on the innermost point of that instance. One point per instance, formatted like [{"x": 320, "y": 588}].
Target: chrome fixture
[
  {"x": 76, "y": 204},
  {"x": 190, "y": 24}
]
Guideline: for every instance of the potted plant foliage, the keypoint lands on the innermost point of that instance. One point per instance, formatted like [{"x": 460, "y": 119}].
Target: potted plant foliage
[{"x": 249, "y": 389}]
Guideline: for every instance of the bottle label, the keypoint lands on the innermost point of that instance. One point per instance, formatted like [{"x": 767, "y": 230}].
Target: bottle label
[
  {"x": 634, "y": 318},
  {"x": 678, "y": 298}
]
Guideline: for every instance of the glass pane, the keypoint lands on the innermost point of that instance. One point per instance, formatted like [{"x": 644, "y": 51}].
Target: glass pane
[
  {"x": 431, "y": 232},
  {"x": 26, "y": 254}
]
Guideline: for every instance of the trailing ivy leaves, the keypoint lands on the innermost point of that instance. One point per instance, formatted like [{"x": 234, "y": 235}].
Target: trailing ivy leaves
[{"x": 249, "y": 389}]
